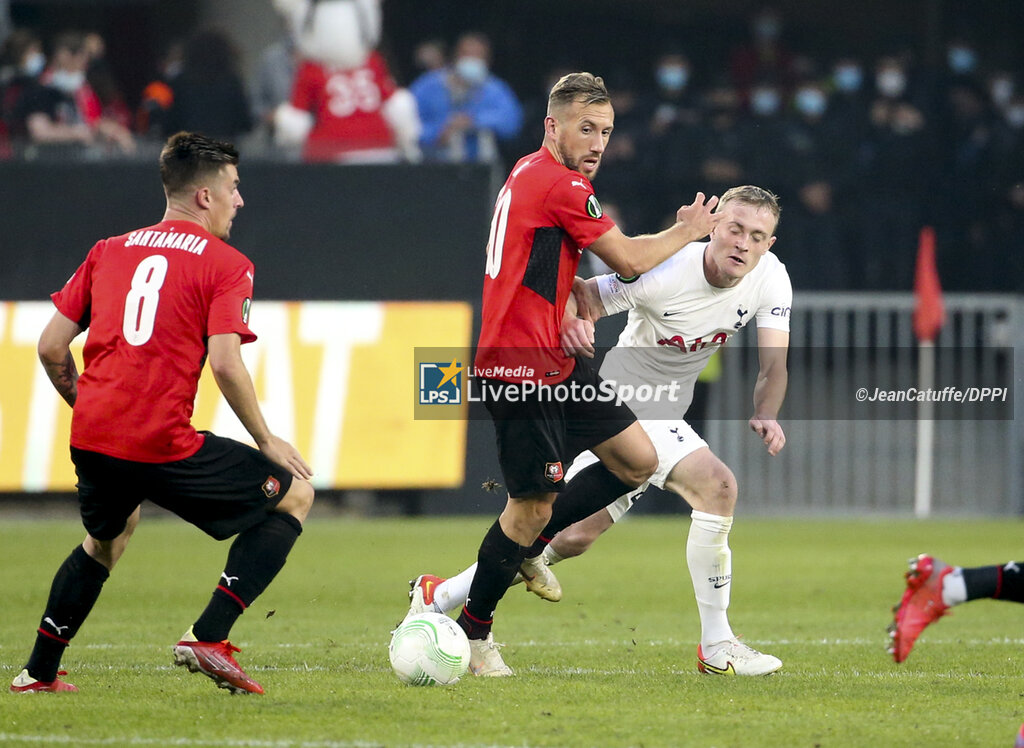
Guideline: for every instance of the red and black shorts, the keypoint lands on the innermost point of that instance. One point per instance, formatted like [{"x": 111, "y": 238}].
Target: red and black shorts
[
  {"x": 223, "y": 489},
  {"x": 539, "y": 435}
]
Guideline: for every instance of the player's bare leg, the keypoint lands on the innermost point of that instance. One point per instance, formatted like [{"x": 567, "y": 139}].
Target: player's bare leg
[
  {"x": 578, "y": 537},
  {"x": 709, "y": 486}
]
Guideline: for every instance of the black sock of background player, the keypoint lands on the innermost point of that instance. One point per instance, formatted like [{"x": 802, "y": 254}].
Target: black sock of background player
[
  {"x": 497, "y": 562},
  {"x": 255, "y": 558},
  {"x": 593, "y": 488},
  {"x": 76, "y": 585},
  {"x": 999, "y": 582}
]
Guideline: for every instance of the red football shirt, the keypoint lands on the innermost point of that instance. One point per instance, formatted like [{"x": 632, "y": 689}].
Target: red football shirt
[
  {"x": 544, "y": 217},
  {"x": 346, "y": 107},
  {"x": 150, "y": 300}
]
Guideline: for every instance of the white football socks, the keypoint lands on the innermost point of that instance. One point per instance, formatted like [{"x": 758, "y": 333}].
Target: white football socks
[
  {"x": 954, "y": 588},
  {"x": 452, "y": 593},
  {"x": 710, "y": 561},
  {"x": 551, "y": 556}
]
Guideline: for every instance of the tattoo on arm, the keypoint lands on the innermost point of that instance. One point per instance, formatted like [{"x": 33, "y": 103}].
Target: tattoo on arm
[{"x": 64, "y": 377}]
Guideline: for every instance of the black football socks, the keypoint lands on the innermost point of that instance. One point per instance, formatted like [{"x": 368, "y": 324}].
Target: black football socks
[
  {"x": 497, "y": 563},
  {"x": 255, "y": 558},
  {"x": 998, "y": 582},
  {"x": 76, "y": 586}
]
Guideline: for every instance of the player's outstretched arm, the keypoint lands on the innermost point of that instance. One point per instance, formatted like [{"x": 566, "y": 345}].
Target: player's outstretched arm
[
  {"x": 55, "y": 354},
  {"x": 631, "y": 256},
  {"x": 770, "y": 388},
  {"x": 236, "y": 385}
]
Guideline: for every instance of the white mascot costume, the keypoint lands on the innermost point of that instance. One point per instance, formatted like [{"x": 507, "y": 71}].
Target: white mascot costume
[{"x": 345, "y": 107}]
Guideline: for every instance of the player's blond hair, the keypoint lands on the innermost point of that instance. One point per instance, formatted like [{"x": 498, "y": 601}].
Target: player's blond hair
[
  {"x": 755, "y": 197},
  {"x": 577, "y": 87}
]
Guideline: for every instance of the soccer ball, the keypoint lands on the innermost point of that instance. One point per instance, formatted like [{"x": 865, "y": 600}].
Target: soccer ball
[{"x": 428, "y": 649}]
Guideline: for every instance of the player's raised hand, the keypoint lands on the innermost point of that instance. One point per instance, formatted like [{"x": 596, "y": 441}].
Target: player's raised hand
[
  {"x": 577, "y": 337},
  {"x": 771, "y": 433},
  {"x": 699, "y": 215},
  {"x": 287, "y": 456}
]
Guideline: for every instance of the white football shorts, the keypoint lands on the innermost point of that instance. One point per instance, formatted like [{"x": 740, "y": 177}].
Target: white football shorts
[{"x": 673, "y": 440}]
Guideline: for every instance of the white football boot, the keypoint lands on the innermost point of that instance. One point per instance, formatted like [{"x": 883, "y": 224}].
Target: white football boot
[
  {"x": 485, "y": 659},
  {"x": 733, "y": 657}
]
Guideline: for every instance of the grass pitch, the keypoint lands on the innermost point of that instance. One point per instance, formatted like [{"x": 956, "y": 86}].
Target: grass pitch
[{"x": 610, "y": 665}]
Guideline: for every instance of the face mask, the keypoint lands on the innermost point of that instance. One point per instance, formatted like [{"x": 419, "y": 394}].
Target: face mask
[
  {"x": 67, "y": 81},
  {"x": 848, "y": 78},
  {"x": 961, "y": 60},
  {"x": 766, "y": 28},
  {"x": 1001, "y": 91},
  {"x": 891, "y": 83},
  {"x": 34, "y": 64},
  {"x": 673, "y": 77},
  {"x": 173, "y": 69},
  {"x": 811, "y": 102},
  {"x": 473, "y": 70},
  {"x": 1015, "y": 117},
  {"x": 765, "y": 101}
]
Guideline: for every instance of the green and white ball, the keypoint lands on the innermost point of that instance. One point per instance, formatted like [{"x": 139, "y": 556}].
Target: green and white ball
[{"x": 429, "y": 649}]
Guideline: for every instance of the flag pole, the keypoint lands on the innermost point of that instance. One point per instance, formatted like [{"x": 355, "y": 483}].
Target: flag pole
[
  {"x": 923, "y": 468},
  {"x": 929, "y": 316}
]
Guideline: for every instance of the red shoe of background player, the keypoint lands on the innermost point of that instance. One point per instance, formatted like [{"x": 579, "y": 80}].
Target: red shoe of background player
[{"x": 921, "y": 604}]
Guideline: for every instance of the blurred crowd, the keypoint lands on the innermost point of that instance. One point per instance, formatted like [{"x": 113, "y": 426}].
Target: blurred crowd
[{"x": 862, "y": 152}]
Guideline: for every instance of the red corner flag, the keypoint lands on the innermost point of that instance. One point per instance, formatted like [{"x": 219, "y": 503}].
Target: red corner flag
[{"x": 929, "y": 311}]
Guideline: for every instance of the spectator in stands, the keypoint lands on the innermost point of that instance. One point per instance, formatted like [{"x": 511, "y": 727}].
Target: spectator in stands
[
  {"x": 719, "y": 143},
  {"x": 813, "y": 164},
  {"x": 465, "y": 109},
  {"x": 628, "y": 184},
  {"x": 101, "y": 79},
  {"x": 967, "y": 140},
  {"x": 848, "y": 103},
  {"x": 21, "y": 62},
  {"x": 961, "y": 60},
  {"x": 764, "y": 56},
  {"x": 673, "y": 104},
  {"x": 209, "y": 96},
  {"x": 894, "y": 170},
  {"x": 1001, "y": 86},
  {"x": 274, "y": 77},
  {"x": 763, "y": 129},
  {"x": 430, "y": 55},
  {"x": 158, "y": 95},
  {"x": 1003, "y": 215},
  {"x": 62, "y": 108}
]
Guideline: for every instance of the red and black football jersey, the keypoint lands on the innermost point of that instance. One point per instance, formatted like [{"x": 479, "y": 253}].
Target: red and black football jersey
[
  {"x": 545, "y": 216},
  {"x": 150, "y": 300}
]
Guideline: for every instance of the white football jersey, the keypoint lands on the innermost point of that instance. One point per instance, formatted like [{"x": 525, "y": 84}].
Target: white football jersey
[{"x": 677, "y": 320}]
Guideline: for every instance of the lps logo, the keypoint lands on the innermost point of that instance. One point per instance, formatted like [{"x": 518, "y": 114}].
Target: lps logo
[{"x": 441, "y": 383}]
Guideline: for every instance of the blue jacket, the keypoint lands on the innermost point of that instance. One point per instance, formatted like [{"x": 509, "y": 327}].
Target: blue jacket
[{"x": 492, "y": 106}]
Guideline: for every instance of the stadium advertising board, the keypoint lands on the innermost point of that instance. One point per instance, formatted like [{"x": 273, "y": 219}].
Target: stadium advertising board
[{"x": 331, "y": 377}]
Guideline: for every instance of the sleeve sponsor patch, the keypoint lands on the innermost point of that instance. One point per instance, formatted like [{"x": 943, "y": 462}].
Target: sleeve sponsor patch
[
  {"x": 246, "y": 305},
  {"x": 594, "y": 207}
]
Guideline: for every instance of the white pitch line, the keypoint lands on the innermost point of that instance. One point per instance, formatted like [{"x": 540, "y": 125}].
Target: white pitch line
[
  {"x": 233, "y": 743},
  {"x": 880, "y": 640}
]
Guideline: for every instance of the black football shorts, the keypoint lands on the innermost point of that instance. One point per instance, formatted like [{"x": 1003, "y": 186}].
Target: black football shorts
[
  {"x": 539, "y": 436},
  {"x": 223, "y": 489}
]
